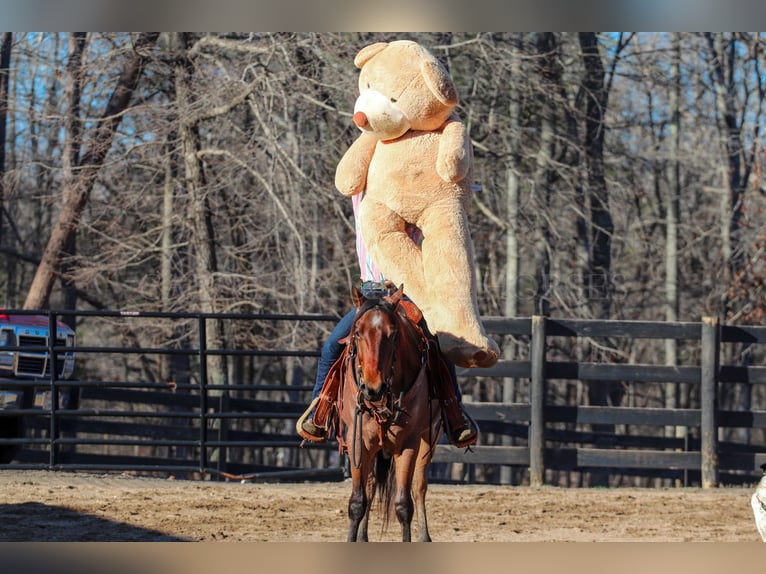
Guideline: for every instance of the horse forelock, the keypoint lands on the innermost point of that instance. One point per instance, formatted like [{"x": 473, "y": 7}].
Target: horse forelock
[{"x": 375, "y": 339}]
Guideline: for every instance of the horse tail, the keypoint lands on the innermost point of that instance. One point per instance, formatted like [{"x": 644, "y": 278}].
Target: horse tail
[{"x": 385, "y": 480}]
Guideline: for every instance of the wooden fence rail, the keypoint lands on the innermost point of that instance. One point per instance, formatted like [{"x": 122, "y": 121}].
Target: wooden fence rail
[{"x": 707, "y": 374}]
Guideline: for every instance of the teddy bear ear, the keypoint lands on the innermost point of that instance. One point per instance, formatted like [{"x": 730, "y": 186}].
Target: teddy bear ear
[
  {"x": 439, "y": 82},
  {"x": 366, "y": 53}
]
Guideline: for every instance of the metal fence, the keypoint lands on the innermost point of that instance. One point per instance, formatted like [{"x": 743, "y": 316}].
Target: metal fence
[
  {"x": 183, "y": 427},
  {"x": 245, "y": 428}
]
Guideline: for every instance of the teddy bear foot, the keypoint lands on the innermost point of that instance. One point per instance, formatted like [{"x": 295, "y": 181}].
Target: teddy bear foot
[{"x": 466, "y": 355}]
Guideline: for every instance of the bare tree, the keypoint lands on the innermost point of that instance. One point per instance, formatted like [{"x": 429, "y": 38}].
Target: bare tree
[
  {"x": 6, "y": 44},
  {"x": 202, "y": 231},
  {"x": 599, "y": 274},
  {"x": 71, "y": 154},
  {"x": 548, "y": 50},
  {"x": 75, "y": 196},
  {"x": 216, "y": 189}
]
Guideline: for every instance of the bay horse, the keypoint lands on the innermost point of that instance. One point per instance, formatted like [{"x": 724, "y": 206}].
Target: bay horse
[{"x": 389, "y": 420}]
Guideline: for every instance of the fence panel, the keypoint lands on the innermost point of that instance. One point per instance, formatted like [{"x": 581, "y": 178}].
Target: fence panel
[{"x": 188, "y": 428}]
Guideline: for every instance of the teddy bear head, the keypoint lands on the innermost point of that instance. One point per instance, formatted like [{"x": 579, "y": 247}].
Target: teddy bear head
[{"x": 401, "y": 87}]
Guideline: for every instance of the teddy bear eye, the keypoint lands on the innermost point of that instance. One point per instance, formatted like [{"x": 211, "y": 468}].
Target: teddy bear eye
[{"x": 393, "y": 100}]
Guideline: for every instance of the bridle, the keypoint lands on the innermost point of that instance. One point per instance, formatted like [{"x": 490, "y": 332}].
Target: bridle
[
  {"x": 385, "y": 411},
  {"x": 378, "y": 409}
]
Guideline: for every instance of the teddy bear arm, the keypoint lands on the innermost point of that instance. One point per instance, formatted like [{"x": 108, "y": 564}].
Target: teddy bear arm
[
  {"x": 454, "y": 159},
  {"x": 351, "y": 173}
]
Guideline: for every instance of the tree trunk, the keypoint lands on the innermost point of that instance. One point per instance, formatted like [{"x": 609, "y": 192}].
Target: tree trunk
[
  {"x": 672, "y": 209},
  {"x": 725, "y": 83},
  {"x": 512, "y": 178},
  {"x": 598, "y": 275},
  {"x": 548, "y": 50},
  {"x": 202, "y": 235},
  {"x": 675, "y": 391},
  {"x": 512, "y": 169},
  {"x": 725, "y": 62},
  {"x": 77, "y": 192},
  {"x": 71, "y": 155},
  {"x": 6, "y": 44},
  {"x": 598, "y": 282}
]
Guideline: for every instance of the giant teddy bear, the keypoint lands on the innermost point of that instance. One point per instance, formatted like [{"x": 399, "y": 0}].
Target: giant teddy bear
[{"x": 413, "y": 161}]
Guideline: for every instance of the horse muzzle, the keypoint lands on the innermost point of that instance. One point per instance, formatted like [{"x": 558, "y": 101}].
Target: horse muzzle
[{"x": 373, "y": 394}]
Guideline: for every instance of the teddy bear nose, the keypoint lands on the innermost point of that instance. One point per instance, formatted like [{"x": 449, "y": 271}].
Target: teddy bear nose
[{"x": 360, "y": 119}]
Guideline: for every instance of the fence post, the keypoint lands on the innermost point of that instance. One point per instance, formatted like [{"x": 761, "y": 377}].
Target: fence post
[
  {"x": 53, "y": 363},
  {"x": 537, "y": 402},
  {"x": 202, "y": 333},
  {"x": 711, "y": 342}
]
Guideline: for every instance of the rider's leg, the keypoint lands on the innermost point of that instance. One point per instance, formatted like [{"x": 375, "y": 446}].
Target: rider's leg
[
  {"x": 460, "y": 431},
  {"x": 331, "y": 350}
]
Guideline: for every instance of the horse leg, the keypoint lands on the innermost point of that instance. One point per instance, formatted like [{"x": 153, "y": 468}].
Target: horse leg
[
  {"x": 403, "y": 506},
  {"x": 419, "y": 488},
  {"x": 358, "y": 505},
  {"x": 371, "y": 488}
]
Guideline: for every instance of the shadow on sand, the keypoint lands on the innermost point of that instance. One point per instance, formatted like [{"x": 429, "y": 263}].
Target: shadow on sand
[{"x": 35, "y": 522}]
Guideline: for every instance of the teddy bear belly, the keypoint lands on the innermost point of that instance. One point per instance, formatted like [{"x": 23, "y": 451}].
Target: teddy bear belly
[{"x": 402, "y": 175}]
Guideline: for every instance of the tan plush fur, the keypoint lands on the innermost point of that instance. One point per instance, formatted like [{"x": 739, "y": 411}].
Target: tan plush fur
[{"x": 414, "y": 161}]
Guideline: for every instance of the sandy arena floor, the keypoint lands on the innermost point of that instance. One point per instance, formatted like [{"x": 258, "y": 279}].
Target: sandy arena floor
[{"x": 61, "y": 506}]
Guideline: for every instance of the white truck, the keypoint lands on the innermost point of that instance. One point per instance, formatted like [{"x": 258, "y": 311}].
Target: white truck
[{"x": 25, "y": 371}]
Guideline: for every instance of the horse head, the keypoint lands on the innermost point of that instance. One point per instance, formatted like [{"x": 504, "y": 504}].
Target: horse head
[{"x": 375, "y": 337}]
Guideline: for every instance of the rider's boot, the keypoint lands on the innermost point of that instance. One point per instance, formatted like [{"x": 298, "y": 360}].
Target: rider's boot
[
  {"x": 314, "y": 422},
  {"x": 460, "y": 432},
  {"x": 306, "y": 426}
]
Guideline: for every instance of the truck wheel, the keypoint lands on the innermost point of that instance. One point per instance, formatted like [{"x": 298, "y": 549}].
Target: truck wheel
[{"x": 10, "y": 427}]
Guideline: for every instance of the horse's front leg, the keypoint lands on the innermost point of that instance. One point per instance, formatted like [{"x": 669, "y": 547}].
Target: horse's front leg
[
  {"x": 403, "y": 506},
  {"x": 363, "y": 526},
  {"x": 419, "y": 489},
  {"x": 357, "y": 503}
]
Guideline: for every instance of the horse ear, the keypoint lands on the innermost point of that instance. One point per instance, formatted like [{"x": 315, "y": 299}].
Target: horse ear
[
  {"x": 356, "y": 296},
  {"x": 396, "y": 296}
]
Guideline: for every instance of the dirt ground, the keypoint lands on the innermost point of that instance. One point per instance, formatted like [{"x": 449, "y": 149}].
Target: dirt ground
[{"x": 41, "y": 506}]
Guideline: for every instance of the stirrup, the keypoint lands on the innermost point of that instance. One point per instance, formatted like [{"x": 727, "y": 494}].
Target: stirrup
[
  {"x": 303, "y": 425},
  {"x": 467, "y": 434}
]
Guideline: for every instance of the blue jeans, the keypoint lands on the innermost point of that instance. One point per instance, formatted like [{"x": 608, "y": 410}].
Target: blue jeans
[{"x": 332, "y": 350}]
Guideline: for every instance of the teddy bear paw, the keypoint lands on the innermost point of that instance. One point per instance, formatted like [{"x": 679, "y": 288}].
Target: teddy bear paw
[{"x": 466, "y": 355}]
